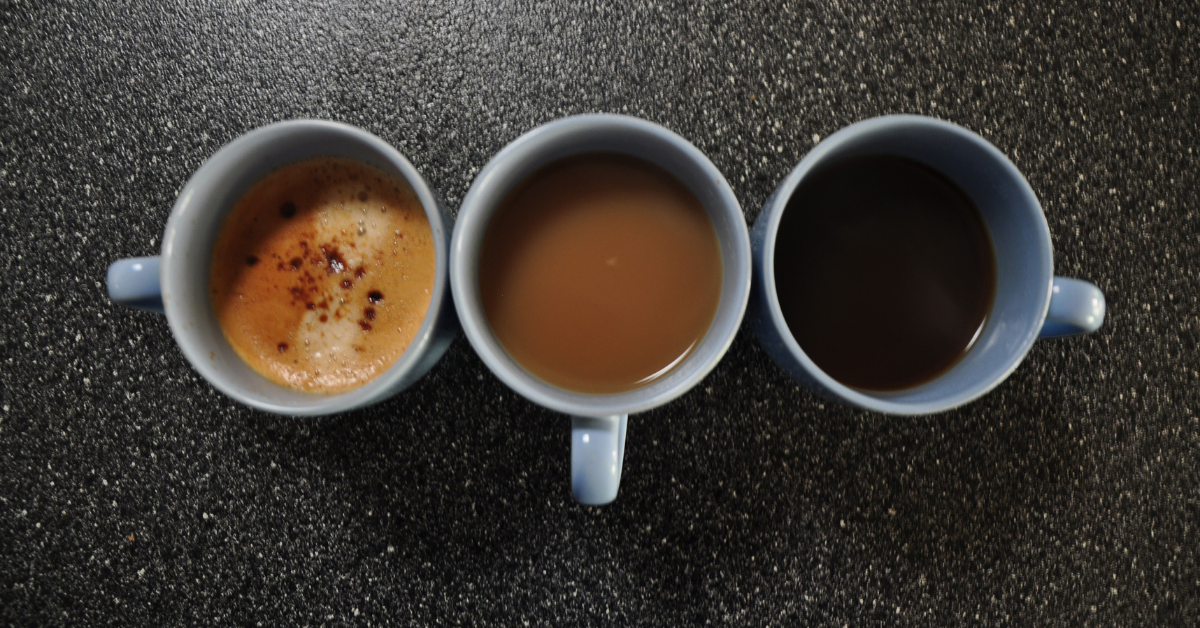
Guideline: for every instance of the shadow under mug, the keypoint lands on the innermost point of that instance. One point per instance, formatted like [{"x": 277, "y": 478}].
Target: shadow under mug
[
  {"x": 176, "y": 282},
  {"x": 1030, "y": 302},
  {"x": 599, "y": 420}
]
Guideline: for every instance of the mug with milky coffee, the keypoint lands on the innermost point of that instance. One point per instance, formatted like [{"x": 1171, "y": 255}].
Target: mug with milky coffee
[
  {"x": 303, "y": 270},
  {"x": 600, "y": 266}
]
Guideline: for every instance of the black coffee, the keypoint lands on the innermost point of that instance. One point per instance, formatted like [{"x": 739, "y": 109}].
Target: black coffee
[{"x": 884, "y": 270}]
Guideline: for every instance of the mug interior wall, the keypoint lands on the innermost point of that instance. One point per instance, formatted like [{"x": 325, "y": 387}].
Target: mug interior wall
[
  {"x": 1020, "y": 238},
  {"x": 202, "y": 208},
  {"x": 527, "y": 158}
]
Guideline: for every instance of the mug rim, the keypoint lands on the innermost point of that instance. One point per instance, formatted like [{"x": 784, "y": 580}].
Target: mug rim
[
  {"x": 203, "y": 178},
  {"x": 484, "y": 196},
  {"x": 774, "y": 210}
]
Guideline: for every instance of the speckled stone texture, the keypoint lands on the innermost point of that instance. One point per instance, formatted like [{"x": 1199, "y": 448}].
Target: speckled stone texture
[{"x": 133, "y": 494}]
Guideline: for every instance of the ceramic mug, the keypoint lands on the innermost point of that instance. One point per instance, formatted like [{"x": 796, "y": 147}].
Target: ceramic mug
[
  {"x": 599, "y": 420},
  {"x": 176, "y": 282},
  {"x": 1030, "y": 302}
]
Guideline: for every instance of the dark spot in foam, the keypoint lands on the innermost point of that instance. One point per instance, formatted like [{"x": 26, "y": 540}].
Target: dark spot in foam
[
  {"x": 362, "y": 196},
  {"x": 359, "y": 272},
  {"x": 282, "y": 347},
  {"x": 287, "y": 210},
  {"x": 347, "y": 284},
  {"x": 297, "y": 263},
  {"x": 297, "y": 291},
  {"x": 369, "y": 313},
  {"x": 374, "y": 296},
  {"x": 310, "y": 305},
  {"x": 252, "y": 260},
  {"x": 324, "y": 317},
  {"x": 365, "y": 325}
]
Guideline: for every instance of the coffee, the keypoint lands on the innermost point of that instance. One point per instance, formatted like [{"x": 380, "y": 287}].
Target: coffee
[
  {"x": 322, "y": 274},
  {"x": 885, "y": 271},
  {"x": 600, "y": 272}
]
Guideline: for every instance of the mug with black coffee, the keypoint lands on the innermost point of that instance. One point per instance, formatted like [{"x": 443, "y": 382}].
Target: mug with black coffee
[{"x": 904, "y": 266}]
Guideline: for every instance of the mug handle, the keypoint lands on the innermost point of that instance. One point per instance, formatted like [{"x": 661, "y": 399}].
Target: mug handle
[
  {"x": 597, "y": 453},
  {"x": 1076, "y": 307},
  {"x": 134, "y": 282}
]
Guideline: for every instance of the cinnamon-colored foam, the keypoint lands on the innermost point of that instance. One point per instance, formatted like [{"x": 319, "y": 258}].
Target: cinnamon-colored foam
[{"x": 322, "y": 274}]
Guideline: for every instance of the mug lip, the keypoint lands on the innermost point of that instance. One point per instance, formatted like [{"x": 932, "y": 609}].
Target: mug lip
[
  {"x": 879, "y": 402},
  {"x": 475, "y": 213},
  {"x": 176, "y": 230}
]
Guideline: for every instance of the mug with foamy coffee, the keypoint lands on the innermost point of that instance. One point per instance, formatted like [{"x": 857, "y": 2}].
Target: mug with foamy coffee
[
  {"x": 904, "y": 266},
  {"x": 600, "y": 266},
  {"x": 303, "y": 270}
]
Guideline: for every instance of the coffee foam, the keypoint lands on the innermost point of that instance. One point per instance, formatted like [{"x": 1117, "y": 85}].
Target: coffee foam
[{"x": 322, "y": 274}]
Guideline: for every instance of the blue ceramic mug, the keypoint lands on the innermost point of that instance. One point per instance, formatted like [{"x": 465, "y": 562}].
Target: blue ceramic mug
[
  {"x": 176, "y": 282},
  {"x": 599, "y": 420},
  {"x": 1030, "y": 302}
]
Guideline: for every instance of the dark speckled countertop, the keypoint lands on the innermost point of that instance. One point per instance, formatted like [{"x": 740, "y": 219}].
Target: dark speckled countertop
[{"x": 133, "y": 494}]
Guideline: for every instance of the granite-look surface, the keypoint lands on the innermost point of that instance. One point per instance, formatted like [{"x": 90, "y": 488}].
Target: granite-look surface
[{"x": 133, "y": 494}]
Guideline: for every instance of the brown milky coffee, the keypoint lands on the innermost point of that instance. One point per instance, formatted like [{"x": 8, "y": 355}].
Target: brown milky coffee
[{"x": 600, "y": 273}]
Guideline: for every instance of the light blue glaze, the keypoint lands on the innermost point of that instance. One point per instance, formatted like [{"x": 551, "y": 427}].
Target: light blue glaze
[
  {"x": 134, "y": 282},
  {"x": 192, "y": 229},
  {"x": 1024, "y": 264},
  {"x": 556, "y": 140},
  {"x": 1076, "y": 307},
  {"x": 597, "y": 454}
]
